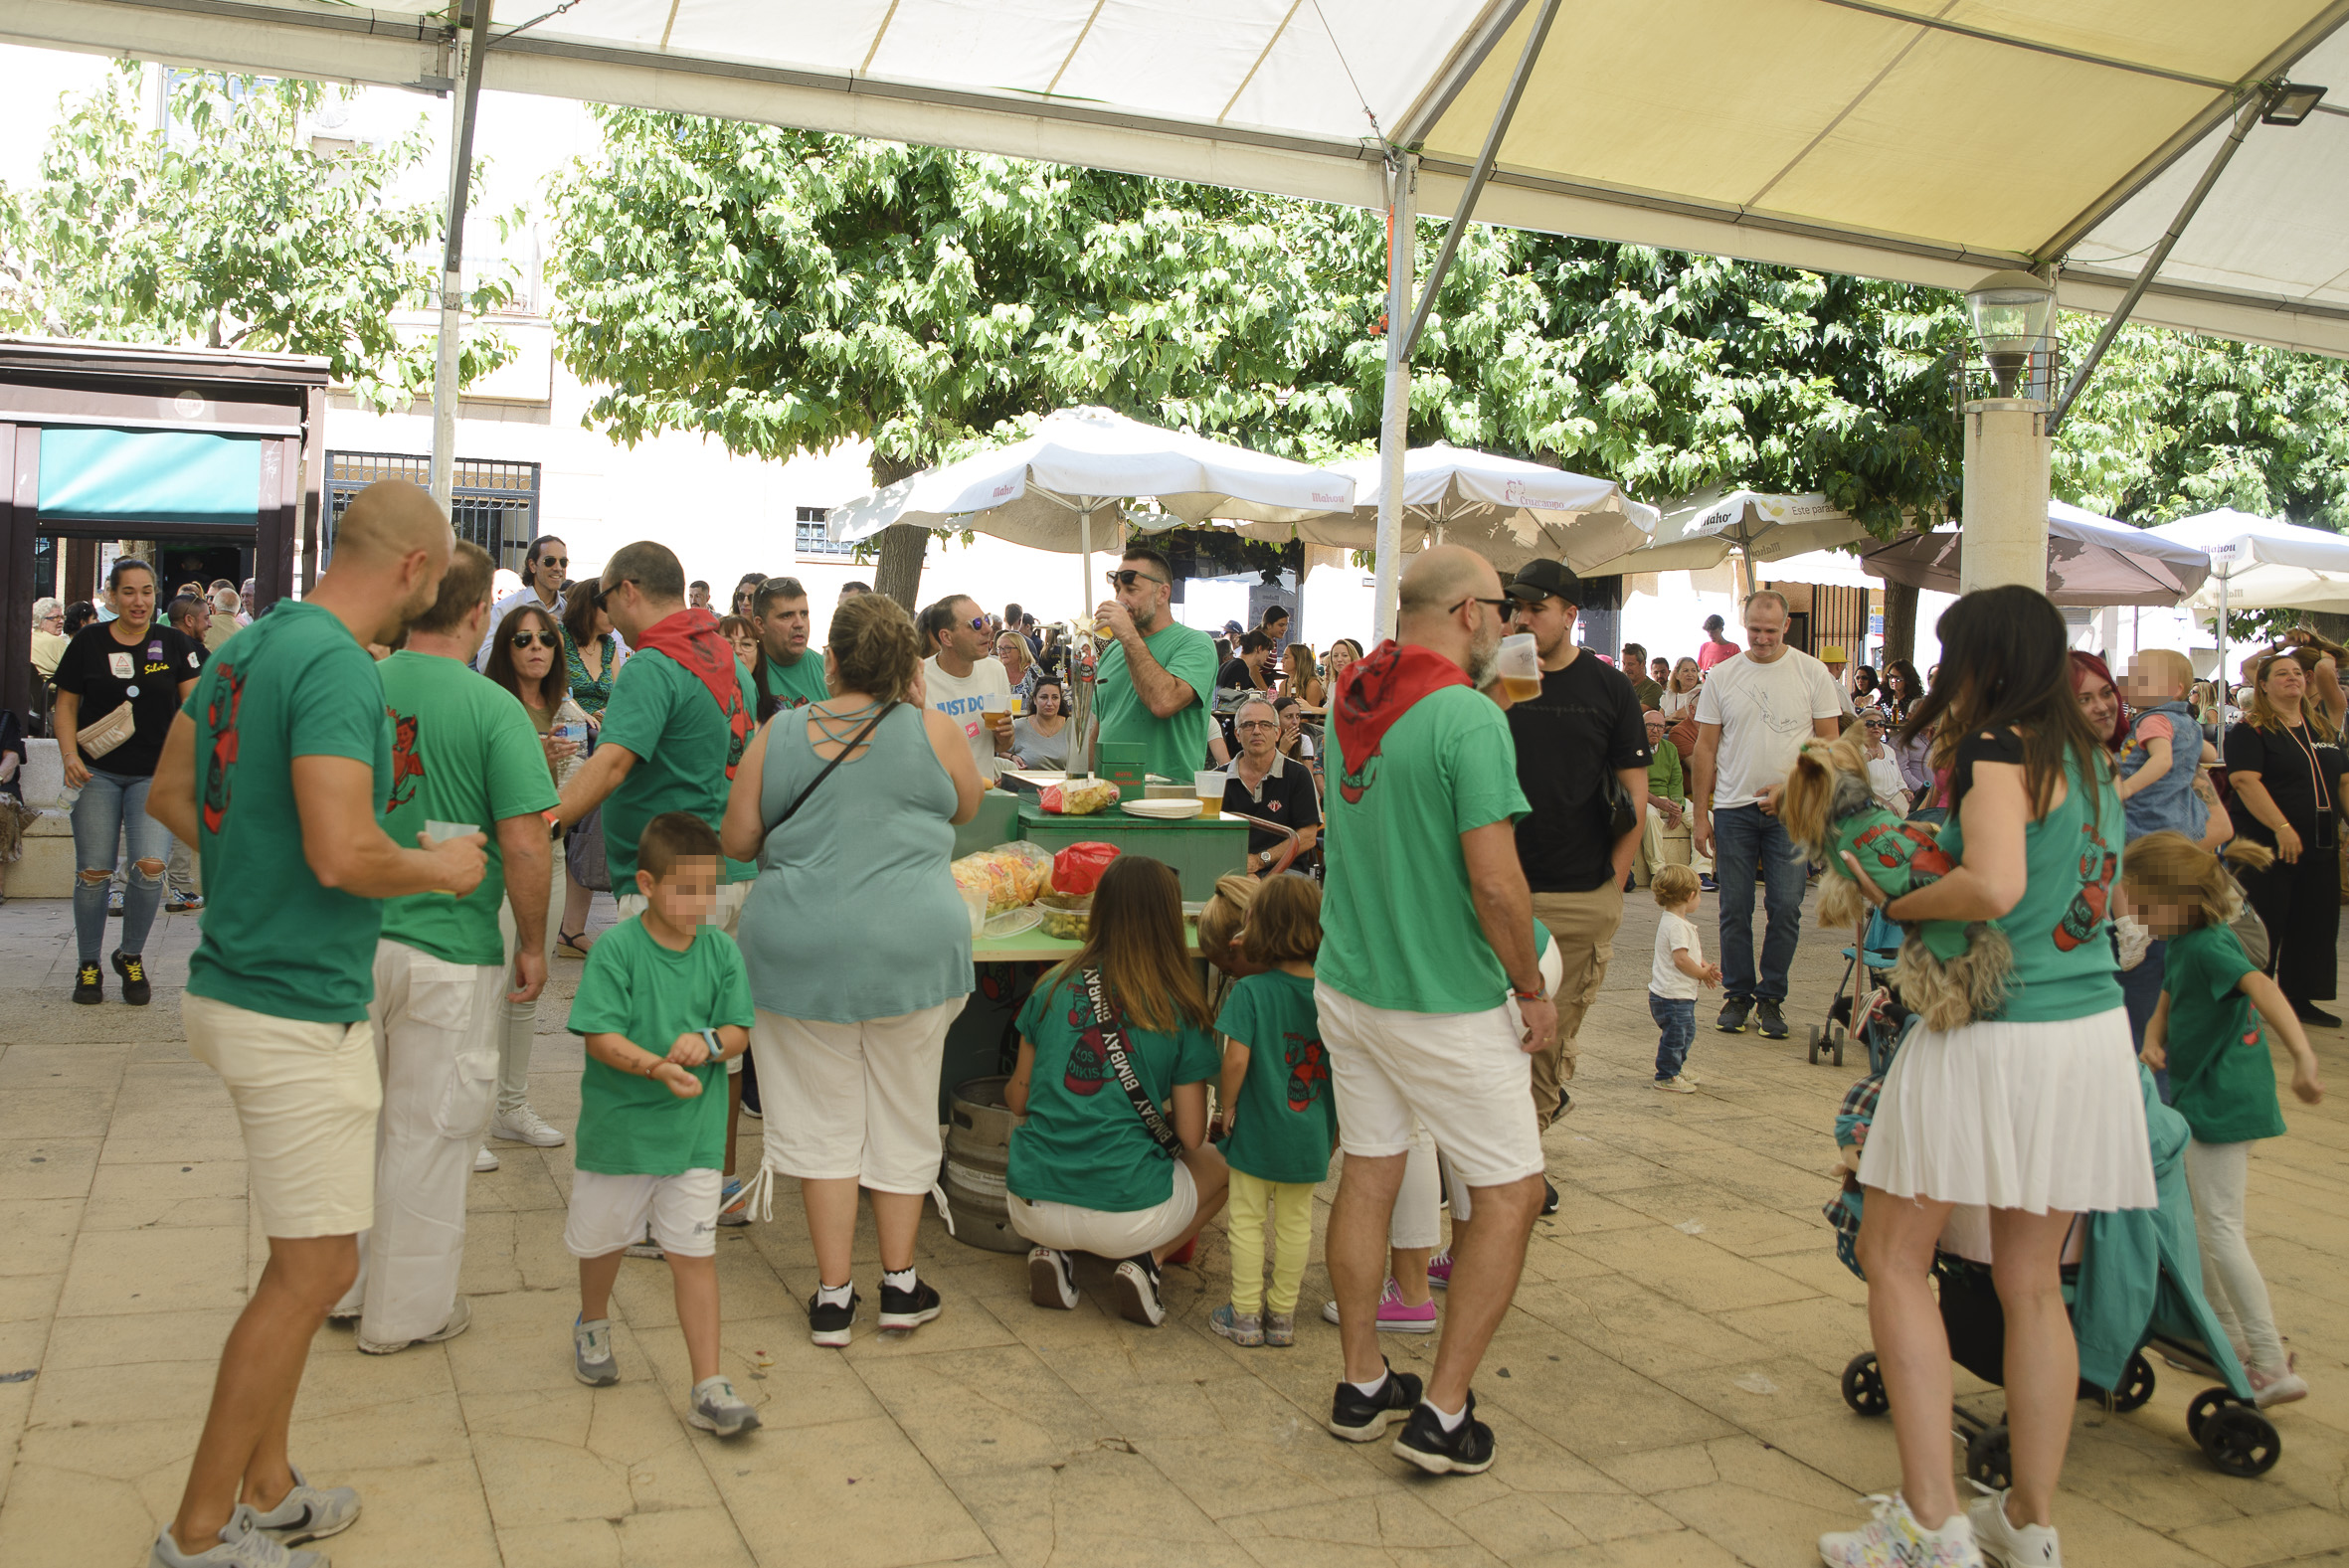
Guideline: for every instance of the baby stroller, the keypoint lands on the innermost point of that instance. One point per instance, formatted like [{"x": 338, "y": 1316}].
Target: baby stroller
[
  {"x": 2132, "y": 1279},
  {"x": 1868, "y": 1012}
]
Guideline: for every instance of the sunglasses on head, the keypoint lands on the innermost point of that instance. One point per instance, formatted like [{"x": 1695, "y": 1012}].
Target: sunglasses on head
[
  {"x": 1129, "y": 576},
  {"x": 525, "y": 639}
]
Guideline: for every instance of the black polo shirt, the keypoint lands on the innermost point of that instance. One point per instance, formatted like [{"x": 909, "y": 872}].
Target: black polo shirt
[{"x": 1286, "y": 796}]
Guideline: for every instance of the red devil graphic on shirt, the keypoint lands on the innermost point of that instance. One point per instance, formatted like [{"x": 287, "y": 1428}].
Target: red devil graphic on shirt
[{"x": 220, "y": 714}]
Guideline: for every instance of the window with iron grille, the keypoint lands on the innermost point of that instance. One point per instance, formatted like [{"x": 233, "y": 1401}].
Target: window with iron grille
[
  {"x": 813, "y": 541},
  {"x": 493, "y": 503}
]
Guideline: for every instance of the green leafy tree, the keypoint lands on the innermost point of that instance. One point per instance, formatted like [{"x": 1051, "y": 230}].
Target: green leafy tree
[{"x": 227, "y": 229}]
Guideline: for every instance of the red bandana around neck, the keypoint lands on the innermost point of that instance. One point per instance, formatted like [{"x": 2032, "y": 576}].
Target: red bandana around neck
[
  {"x": 1380, "y": 688},
  {"x": 692, "y": 638}
]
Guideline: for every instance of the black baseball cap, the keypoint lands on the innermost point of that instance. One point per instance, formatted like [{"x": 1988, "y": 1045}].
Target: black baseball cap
[{"x": 1539, "y": 580}]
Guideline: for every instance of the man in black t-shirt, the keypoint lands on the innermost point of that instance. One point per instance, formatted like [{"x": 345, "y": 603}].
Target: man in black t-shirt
[
  {"x": 1262, "y": 783},
  {"x": 1580, "y": 735}
]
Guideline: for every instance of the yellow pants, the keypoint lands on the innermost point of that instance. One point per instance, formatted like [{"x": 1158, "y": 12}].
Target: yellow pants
[{"x": 1292, "y": 1240}]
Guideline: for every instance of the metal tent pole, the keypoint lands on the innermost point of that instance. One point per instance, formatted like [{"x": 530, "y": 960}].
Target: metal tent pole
[
  {"x": 460, "y": 179},
  {"x": 1395, "y": 425},
  {"x": 2225, "y": 684}
]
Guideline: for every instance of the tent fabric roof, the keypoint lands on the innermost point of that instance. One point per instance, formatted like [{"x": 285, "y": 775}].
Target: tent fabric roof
[{"x": 1925, "y": 141}]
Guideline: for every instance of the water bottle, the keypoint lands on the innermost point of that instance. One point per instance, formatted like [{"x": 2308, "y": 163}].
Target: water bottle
[{"x": 67, "y": 796}]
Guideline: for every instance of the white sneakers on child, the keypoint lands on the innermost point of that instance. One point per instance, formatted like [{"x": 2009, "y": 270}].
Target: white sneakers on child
[{"x": 2012, "y": 1546}]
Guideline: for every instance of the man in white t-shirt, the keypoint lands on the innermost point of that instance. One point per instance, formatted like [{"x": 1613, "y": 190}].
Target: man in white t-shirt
[
  {"x": 543, "y": 571},
  {"x": 963, "y": 681},
  {"x": 1753, "y": 713}
]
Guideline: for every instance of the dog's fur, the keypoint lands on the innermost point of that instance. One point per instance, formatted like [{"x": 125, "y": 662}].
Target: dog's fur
[{"x": 1951, "y": 973}]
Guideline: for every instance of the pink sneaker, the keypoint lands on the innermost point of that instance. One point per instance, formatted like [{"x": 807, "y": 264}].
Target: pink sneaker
[
  {"x": 1393, "y": 1317},
  {"x": 1439, "y": 1270}
]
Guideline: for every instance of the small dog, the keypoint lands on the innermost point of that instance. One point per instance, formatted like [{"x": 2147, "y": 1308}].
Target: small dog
[{"x": 1950, "y": 972}]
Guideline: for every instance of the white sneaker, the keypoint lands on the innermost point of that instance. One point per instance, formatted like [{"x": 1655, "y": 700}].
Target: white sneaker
[
  {"x": 1894, "y": 1539},
  {"x": 1683, "y": 1084},
  {"x": 2280, "y": 1387},
  {"x": 241, "y": 1545},
  {"x": 485, "y": 1159},
  {"x": 2010, "y": 1544},
  {"x": 525, "y": 1126},
  {"x": 461, "y": 1317},
  {"x": 309, "y": 1513}
]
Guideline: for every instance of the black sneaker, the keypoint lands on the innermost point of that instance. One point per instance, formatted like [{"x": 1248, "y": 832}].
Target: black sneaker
[
  {"x": 909, "y": 1309},
  {"x": 2315, "y": 1016},
  {"x": 1549, "y": 1199},
  {"x": 1733, "y": 1013},
  {"x": 133, "y": 970},
  {"x": 1769, "y": 1019},
  {"x": 828, "y": 1326},
  {"x": 1362, "y": 1418},
  {"x": 1137, "y": 1285},
  {"x": 89, "y": 988},
  {"x": 1466, "y": 1449}
]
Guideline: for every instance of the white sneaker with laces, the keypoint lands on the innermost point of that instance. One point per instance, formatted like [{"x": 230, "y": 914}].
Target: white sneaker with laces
[
  {"x": 1894, "y": 1539},
  {"x": 526, "y": 1125},
  {"x": 241, "y": 1545},
  {"x": 1683, "y": 1084},
  {"x": 2007, "y": 1543},
  {"x": 310, "y": 1513},
  {"x": 485, "y": 1159}
]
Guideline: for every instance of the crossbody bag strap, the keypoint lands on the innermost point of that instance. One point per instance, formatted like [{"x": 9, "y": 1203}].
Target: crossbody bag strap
[
  {"x": 854, "y": 742},
  {"x": 1113, "y": 1044}
]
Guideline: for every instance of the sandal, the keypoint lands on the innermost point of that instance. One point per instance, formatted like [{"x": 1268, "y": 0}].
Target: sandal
[{"x": 567, "y": 944}]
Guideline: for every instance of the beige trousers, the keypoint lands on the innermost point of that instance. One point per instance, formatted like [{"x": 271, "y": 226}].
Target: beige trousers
[{"x": 1583, "y": 925}]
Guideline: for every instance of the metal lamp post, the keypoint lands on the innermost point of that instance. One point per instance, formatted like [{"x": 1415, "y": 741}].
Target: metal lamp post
[{"x": 2008, "y": 446}]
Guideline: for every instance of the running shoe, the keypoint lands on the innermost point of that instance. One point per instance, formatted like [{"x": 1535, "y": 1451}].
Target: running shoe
[
  {"x": 1241, "y": 1329},
  {"x": 309, "y": 1513},
  {"x": 526, "y": 1125},
  {"x": 2009, "y": 1544},
  {"x": 1894, "y": 1539},
  {"x": 717, "y": 1408},
  {"x": 905, "y": 1311},
  {"x": 1364, "y": 1418},
  {"x": 1394, "y": 1317},
  {"x": 1466, "y": 1449},
  {"x": 241, "y": 1545},
  {"x": 734, "y": 1207},
  {"x": 1733, "y": 1014},
  {"x": 1769, "y": 1019},
  {"x": 591, "y": 1352},
  {"x": 830, "y": 1322},
  {"x": 89, "y": 989}
]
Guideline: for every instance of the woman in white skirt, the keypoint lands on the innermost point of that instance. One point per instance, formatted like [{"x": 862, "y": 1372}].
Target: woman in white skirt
[{"x": 2033, "y": 1112}]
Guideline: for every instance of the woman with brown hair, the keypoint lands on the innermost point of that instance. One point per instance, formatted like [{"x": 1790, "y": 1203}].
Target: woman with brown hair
[
  {"x": 2283, "y": 770},
  {"x": 1096, "y": 1166},
  {"x": 1299, "y": 678},
  {"x": 859, "y": 949}
]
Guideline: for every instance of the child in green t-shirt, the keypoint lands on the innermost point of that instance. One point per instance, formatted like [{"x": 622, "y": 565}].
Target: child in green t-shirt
[
  {"x": 662, "y": 1005},
  {"x": 2221, "y": 1080},
  {"x": 1276, "y": 1101}
]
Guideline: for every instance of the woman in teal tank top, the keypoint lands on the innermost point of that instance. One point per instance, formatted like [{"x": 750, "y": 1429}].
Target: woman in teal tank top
[
  {"x": 859, "y": 949},
  {"x": 2033, "y": 1110}
]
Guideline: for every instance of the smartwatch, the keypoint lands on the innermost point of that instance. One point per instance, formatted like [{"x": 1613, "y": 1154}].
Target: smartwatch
[{"x": 710, "y": 1037}]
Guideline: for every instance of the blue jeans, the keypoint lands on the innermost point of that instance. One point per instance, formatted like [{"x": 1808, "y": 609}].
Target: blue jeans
[
  {"x": 1748, "y": 843},
  {"x": 1675, "y": 1016},
  {"x": 113, "y": 808},
  {"x": 2140, "y": 993}
]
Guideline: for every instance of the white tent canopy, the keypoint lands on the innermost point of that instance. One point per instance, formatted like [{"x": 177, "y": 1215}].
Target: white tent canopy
[
  {"x": 1886, "y": 139},
  {"x": 1701, "y": 533},
  {"x": 2091, "y": 561},
  {"x": 2263, "y": 564}
]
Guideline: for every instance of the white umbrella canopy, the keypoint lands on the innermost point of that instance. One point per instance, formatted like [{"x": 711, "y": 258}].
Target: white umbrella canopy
[
  {"x": 1699, "y": 534},
  {"x": 2258, "y": 562},
  {"x": 2091, "y": 561},
  {"x": 1506, "y": 509},
  {"x": 1062, "y": 488}
]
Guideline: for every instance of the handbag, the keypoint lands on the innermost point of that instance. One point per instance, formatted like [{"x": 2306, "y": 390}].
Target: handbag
[
  {"x": 1614, "y": 805},
  {"x": 97, "y": 738},
  {"x": 1113, "y": 1045},
  {"x": 854, "y": 741},
  {"x": 582, "y": 853}
]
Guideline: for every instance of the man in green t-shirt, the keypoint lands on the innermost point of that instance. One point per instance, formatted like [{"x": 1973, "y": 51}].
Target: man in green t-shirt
[
  {"x": 1153, "y": 682},
  {"x": 787, "y": 675},
  {"x": 463, "y": 754},
  {"x": 1430, "y": 991},
  {"x": 275, "y": 770}
]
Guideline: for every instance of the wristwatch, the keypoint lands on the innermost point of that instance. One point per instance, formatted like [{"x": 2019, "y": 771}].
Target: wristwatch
[{"x": 710, "y": 1038}]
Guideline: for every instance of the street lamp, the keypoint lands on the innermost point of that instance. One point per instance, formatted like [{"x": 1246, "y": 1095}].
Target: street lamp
[
  {"x": 2007, "y": 444},
  {"x": 2011, "y": 311}
]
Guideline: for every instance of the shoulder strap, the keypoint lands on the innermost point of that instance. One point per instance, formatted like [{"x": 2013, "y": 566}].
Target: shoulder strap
[
  {"x": 1113, "y": 1044},
  {"x": 858, "y": 738}
]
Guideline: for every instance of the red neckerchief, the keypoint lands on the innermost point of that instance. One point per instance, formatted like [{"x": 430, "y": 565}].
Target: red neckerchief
[
  {"x": 692, "y": 638},
  {"x": 1380, "y": 688}
]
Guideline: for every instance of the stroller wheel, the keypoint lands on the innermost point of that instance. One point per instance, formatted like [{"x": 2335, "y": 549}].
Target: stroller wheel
[
  {"x": 1814, "y": 1045},
  {"x": 1988, "y": 1460},
  {"x": 2241, "y": 1441},
  {"x": 2197, "y": 1414},
  {"x": 2136, "y": 1384},
  {"x": 1863, "y": 1385}
]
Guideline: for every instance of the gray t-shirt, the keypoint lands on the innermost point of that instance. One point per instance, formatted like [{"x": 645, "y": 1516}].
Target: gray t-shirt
[{"x": 1039, "y": 751}]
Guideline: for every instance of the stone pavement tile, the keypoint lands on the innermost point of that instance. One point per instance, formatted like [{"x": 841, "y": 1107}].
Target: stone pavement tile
[
  {"x": 964, "y": 1325},
  {"x": 40, "y": 1233},
  {"x": 50, "y": 1017},
  {"x": 1635, "y": 1326},
  {"x": 1854, "y": 1451},
  {"x": 851, "y": 1494},
  {"x": 521, "y": 1343},
  {"x": 1552, "y": 1258},
  {"x": 160, "y": 1391},
  {"x": 1394, "y": 1523},
  {"x": 2091, "y": 1532},
  {"x": 1581, "y": 1212},
  {"x": 1589, "y": 1404},
  {"x": 128, "y": 1342},
  {"x": 2270, "y": 1537},
  {"x": 1762, "y": 1391},
  {"x": 57, "y": 1112},
  {"x": 1270, "y": 1457},
  {"x": 30, "y": 1296},
  {"x": 94, "y": 1070},
  {"x": 1106, "y": 1506},
  {"x": 187, "y": 1136},
  {"x": 1529, "y": 1466},
  {"x": 46, "y": 1167},
  {"x": 438, "y": 1502},
  {"x": 680, "y": 1538},
  {"x": 1755, "y": 1525},
  {"x": 156, "y": 1271},
  {"x": 490, "y": 1266},
  {"x": 1821, "y": 1329},
  {"x": 1817, "y": 1267},
  {"x": 520, "y": 1183},
  {"x": 173, "y": 1194},
  {"x": 1692, "y": 1271},
  {"x": 1680, "y": 1548},
  {"x": 985, "y": 1409},
  {"x": 56, "y": 1516}
]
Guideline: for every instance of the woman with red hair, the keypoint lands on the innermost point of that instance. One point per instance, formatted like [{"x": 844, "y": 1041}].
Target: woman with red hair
[{"x": 2099, "y": 699}]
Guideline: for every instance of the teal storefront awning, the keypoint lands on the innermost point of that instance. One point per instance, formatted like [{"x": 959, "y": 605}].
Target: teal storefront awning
[{"x": 98, "y": 475}]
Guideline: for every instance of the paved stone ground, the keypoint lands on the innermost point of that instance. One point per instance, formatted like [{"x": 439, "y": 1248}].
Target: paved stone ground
[{"x": 1664, "y": 1390}]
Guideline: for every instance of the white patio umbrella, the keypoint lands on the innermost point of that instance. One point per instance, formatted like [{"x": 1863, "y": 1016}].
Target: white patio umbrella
[
  {"x": 2259, "y": 563},
  {"x": 2091, "y": 560},
  {"x": 1700, "y": 534},
  {"x": 1507, "y": 510},
  {"x": 1054, "y": 489}
]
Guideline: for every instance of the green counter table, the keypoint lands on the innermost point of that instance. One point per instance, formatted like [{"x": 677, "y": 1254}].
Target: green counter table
[{"x": 1199, "y": 849}]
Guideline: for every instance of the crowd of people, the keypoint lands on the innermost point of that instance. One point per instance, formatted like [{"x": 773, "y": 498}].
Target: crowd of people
[{"x": 405, "y": 792}]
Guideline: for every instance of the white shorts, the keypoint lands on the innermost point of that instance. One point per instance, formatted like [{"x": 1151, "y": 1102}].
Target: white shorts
[
  {"x": 854, "y": 1102},
  {"x": 1462, "y": 1075},
  {"x": 731, "y": 897},
  {"x": 610, "y": 1212},
  {"x": 306, "y": 1097},
  {"x": 1066, "y": 1228}
]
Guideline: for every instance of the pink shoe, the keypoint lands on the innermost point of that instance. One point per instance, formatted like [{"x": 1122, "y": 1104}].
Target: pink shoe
[
  {"x": 1439, "y": 1270},
  {"x": 1393, "y": 1317}
]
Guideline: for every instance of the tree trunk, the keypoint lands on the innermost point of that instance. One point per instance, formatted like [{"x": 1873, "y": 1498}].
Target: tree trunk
[
  {"x": 898, "y": 573},
  {"x": 1900, "y": 622}
]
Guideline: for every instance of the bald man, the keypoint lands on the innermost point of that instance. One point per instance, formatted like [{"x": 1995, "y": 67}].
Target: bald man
[
  {"x": 275, "y": 770},
  {"x": 1431, "y": 992}
]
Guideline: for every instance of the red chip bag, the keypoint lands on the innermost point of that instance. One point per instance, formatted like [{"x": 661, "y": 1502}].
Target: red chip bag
[{"x": 1076, "y": 869}]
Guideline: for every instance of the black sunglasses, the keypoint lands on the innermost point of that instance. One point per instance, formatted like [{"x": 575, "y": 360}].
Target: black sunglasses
[
  {"x": 1129, "y": 576},
  {"x": 1501, "y": 604},
  {"x": 554, "y": 560},
  {"x": 524, "y": 640},
  {"x": 605, "y": 591}
]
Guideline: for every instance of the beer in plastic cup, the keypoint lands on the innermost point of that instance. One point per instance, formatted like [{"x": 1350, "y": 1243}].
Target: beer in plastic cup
[
  {"x": 1017, "y": 704},
  {"x": 1520, "y": 667},
  {"x": 441, "y": 833},
  {"x": 1210, "y": 787}
]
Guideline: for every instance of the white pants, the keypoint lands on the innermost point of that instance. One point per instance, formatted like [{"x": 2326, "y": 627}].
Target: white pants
[
  {"x": 1660, "y": 846},
  {"x": 731, "y": 897},
  {"x": 2216, "y": 1174},
  {"x": 434, "y": 1024},
  {"x": 1396, "y": 1072},
  {"x": 516, "y": 1025},
  {"x": 854, "y": 1102},
  {"x": 1064, "y": 1227}
]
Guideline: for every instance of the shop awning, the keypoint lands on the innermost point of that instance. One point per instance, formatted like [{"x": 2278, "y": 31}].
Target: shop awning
[
  {"x": 91, "y": 474},
  {"x": 1890, "y": 138}
]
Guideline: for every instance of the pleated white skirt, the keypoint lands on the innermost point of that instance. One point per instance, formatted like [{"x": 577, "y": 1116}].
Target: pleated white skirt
[{"x": 2015, "y": 1116}]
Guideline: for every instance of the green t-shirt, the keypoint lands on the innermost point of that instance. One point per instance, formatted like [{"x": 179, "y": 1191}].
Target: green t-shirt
[
  {"x": 1172, "y": 748},
  {"x": 793, "y": 685},
  {"x": 1398, "y": 927},
  {"x": 294, "y": 683},
  {"x": 463, "y": 749},
  {"x": 1286, "y": 1120},
  {"x": 634, "y": 986},
  {"x": 663, "y": 715},
  {"x": 1082, "y": 1142},
  {"x": 2221, "y": 1080}
]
